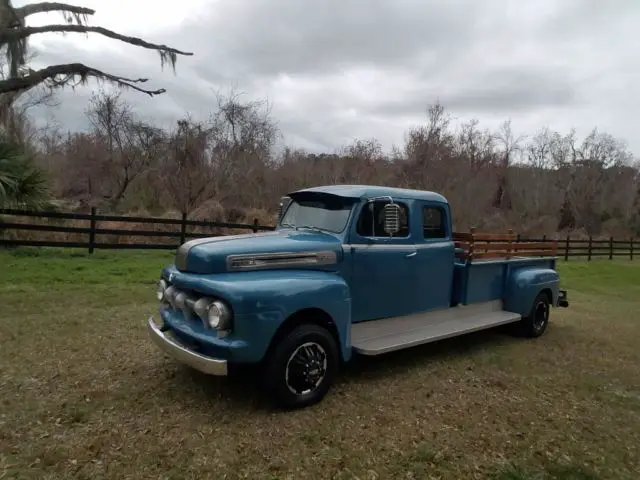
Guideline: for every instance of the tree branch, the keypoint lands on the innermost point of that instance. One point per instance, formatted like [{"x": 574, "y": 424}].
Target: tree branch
[
  {"x": 20, "y": 33},
  {"x": 45, "y": 7},
  {"x": 70, "y": 70}
]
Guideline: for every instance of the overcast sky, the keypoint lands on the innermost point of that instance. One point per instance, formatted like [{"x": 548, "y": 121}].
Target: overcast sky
[{"x": 336, "y": 70}]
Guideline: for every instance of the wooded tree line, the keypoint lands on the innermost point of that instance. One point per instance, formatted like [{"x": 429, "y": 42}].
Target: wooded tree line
[{"x": 226, "y": 166}]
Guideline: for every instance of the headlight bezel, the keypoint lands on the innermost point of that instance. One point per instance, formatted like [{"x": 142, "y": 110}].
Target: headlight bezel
[{"x": 218, "y": 315}]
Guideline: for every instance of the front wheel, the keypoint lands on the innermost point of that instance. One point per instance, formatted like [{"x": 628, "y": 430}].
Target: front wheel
[
  {"x": 301, "y": 368},
  {"x": 535, "y": 324}
]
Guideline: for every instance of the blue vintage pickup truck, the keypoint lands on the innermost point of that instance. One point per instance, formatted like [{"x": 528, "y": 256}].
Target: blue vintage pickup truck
[{"x": 347, "y": 269}]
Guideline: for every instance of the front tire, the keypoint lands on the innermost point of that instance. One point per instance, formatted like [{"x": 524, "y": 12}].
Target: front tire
[
  {"x": 535, "y": 324},
  {"x": 301, "y": 368}
]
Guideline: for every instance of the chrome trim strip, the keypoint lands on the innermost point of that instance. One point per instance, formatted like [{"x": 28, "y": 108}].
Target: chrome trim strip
[
  {"x": 183, "y": 250},
  {"x": 282, "y": 259},
  {"x": 395, "y": 246},
  {"x": 208, "y": 365}
]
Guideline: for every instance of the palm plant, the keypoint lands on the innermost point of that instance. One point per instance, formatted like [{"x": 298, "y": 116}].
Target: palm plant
[{"x": 22, "y": 183}]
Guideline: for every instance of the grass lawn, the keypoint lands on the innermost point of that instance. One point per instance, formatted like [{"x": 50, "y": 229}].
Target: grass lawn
[{"x": 84, "y": 393}]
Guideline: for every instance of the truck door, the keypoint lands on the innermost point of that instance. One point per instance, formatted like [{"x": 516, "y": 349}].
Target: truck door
[
  {"x": 435, "y": 256},
  {"x": 381, "y": 277}
]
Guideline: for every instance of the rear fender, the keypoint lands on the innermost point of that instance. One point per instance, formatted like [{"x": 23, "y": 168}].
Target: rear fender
[{"x": 525, "y": 283}]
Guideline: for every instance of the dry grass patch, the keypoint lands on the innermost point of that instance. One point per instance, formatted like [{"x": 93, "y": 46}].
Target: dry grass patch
[{"x": 84, "y": 394}]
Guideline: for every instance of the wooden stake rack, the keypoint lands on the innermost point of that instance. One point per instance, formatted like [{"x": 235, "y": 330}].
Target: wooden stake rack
[{"x": 476, "y": 246}]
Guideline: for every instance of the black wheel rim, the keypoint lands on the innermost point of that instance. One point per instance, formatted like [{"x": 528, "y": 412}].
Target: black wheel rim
[
  {"x": 306, "y": 368},
  {"x": 540, "y": 315}
]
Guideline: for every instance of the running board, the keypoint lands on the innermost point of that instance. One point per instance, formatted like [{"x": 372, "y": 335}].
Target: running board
[{"x": 375, "y": 337}]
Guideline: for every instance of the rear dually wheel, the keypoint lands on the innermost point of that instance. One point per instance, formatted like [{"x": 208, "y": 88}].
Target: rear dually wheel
[{"x": 535, "y": 324}]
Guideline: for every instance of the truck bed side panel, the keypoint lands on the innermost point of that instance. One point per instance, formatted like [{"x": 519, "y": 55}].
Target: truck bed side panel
[
  {"x": 515, "y": 281},
  {"x": 483, "y": 281}
]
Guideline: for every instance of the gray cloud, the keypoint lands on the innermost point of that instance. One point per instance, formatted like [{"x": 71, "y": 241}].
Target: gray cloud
[
  {"x": 264, "y": 37},
  {"x": 506, "y": 92},
  {"x": 340, "y": 69}
]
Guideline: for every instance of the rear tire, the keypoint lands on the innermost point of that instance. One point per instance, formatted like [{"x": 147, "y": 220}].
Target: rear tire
[
  {"x": 535, "y": 324},
  {"x": 301, "y": 368}
]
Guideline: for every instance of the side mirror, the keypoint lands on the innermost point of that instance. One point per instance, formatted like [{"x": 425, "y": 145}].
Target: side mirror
[{"x": 391, "y": 218}]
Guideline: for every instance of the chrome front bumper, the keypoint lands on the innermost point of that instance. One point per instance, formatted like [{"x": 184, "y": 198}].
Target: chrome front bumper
[{"x": 208, "y": 365}]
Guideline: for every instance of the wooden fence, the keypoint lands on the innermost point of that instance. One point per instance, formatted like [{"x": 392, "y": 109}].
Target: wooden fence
[
  {"x": 182, "y": 229},
  {"x": 179, "y": 229},
  {"x": 590, "y": 248}
]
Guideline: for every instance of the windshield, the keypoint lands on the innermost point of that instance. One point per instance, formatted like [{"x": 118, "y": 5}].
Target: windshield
[{"x": 329, "y": 214}]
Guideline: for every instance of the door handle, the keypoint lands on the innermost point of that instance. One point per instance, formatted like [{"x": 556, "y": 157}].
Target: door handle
[{"x": 411, "y": 255}]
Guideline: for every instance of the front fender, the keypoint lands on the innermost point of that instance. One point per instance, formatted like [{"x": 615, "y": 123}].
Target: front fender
[
  {"x": 263, "y": 300},
  {"x": 523, "y": 284}
]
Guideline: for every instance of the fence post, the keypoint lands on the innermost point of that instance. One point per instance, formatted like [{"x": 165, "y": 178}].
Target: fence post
[
  {"x": 610, "y": 248},
  {"x": 589, "y": 251},
  {"x": 92, "y": 232},
  {"x": 183, "y": 228},
  {"x": 255, "y": 225},
  {"x": 631, "y": 249},
  {"x": 566, "y": 249}
]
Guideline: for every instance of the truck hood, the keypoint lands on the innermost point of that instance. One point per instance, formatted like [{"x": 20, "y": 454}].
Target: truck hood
[{"x": 259, "y": 251}]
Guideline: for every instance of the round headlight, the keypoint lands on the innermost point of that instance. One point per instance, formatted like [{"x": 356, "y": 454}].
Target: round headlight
[
  {"x": 218, "y": 315},
  {"x": 169, "y": 294},
  {"x": 161, "y": 287},
  {"x": 201, "y": 307},
  {"x": 181, "y": 300}
]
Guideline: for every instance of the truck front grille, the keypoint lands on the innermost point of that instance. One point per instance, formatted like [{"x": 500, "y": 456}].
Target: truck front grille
[{"x": 183, "y": 301}]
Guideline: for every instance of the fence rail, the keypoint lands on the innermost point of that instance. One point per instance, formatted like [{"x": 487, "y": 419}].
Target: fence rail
[{"x": 91, "y": 232}]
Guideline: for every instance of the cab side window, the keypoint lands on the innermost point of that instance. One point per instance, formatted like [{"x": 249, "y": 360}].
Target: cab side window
[
  {"x": 433, "y": 224},
  {"x": 371, "y": 220}
]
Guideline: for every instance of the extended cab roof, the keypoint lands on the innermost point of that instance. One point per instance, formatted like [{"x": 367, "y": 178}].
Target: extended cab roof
[{"x": 369, "y": 191}]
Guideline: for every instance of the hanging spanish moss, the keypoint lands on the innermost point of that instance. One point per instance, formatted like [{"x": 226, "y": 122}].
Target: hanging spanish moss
[{"x": 15, "y": 34}]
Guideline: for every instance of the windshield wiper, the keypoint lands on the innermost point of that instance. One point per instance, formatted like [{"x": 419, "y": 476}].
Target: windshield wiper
[
  {"x": 298, "y": 227},
  {"x": 310, "y": 227}
]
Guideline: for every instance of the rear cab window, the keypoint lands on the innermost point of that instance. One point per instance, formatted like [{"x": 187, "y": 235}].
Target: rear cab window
[
  {"x": 434, "y": 224},
  {"x": 371, "y": 220}
]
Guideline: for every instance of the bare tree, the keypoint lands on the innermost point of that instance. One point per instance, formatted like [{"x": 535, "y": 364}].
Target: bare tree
[
  {"x": 187, "y": 171},
  {"x": 241, "y": 139},
  {"x": 475, "y": 146},
  {"x": 531, "y": 186},
  {"x": 361, "y": 161},
  {"x": 125, "y": 139},
  {"x": 538, "y": 150},
  {"x": 83, "y": 155},
  {"x": 428, "y": 150},
  {"x": 585, "y": 175},
  {"x": 14, "y": 37},
  {"x": 510, "y": 147}
]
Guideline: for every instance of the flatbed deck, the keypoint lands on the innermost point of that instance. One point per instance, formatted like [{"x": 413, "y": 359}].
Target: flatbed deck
[{"x": 381, "y": 336}]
